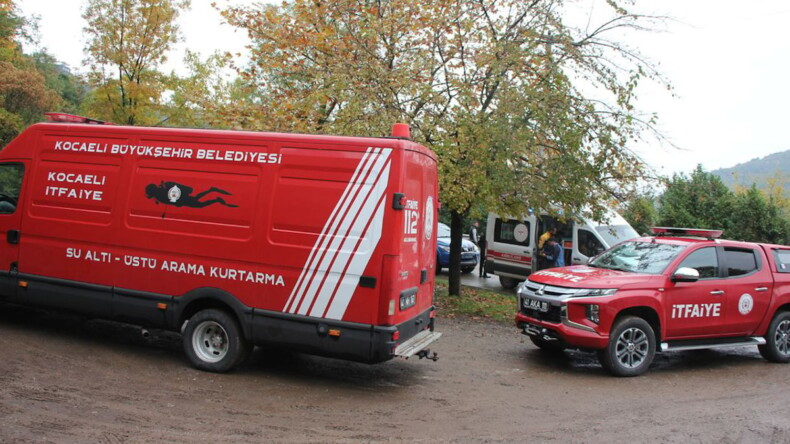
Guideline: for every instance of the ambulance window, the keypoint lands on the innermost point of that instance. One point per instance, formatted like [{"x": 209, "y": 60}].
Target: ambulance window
[
  {"x": 10, "y": 182},
  {"x": 782, "y": 260},
  {"x": 704, "y": 261},
  {"x": 589, "y": 245},
  {"x": 513, "y": 232},
  {"x": 739, "y": 261}
]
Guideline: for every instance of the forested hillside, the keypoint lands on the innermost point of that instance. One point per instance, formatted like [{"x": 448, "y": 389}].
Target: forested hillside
[{"x": 764, "y": 171}]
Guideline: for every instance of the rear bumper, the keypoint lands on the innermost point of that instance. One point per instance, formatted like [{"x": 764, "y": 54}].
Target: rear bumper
[
  {"x": 416, "y": 344},
  {"x": 565, "y": 332},
  {"x": 351, "y": 341}
]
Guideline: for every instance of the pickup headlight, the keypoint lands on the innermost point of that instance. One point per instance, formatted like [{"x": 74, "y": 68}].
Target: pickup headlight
[{"x": 590, "y": 292}]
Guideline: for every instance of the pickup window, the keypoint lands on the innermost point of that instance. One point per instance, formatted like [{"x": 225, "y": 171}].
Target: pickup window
[
  {"x": 740, "y": 261},
  {"x": 782, "y": 260},
  {"x": 704, "y": 261}
]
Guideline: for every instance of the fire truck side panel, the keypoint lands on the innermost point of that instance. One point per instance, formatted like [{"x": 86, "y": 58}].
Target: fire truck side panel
[{"x": 295, "y": 234}]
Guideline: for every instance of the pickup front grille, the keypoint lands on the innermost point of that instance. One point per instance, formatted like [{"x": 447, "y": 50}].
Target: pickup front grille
[{"x": 553, "y": 315}]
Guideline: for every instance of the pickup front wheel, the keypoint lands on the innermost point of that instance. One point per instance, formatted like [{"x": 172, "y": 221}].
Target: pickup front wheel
[
  {"x": 632, "y": 345},
  {"x": 777, "y": 347}
]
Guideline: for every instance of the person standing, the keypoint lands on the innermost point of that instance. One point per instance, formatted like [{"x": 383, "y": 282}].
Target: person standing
[
  {"x": 483, "y": 244},
  {"x": 543, "y": 247},
  {"x": 473, "y": 233},
  {"x": 554, "y": 254}
]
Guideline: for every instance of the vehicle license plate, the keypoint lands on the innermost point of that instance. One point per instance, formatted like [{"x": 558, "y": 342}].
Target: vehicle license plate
[{"x": 535, "y": 304}]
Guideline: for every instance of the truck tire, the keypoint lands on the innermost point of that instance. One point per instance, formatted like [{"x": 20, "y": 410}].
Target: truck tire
[
  {"x": 213, "y": 341},
  {"x": 777, "y": 338},
  {"x": 507, "y": 283},
  {"x": 632, "y": 345},
  {"x": 548, "y": 346}
]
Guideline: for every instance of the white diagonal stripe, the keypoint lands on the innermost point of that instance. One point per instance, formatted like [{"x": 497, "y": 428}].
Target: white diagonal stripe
[
  {"x": 360, "y": 209},
  {"x": 354, "y": 254},
  {"x": 330, "y": 226},
  {"x": 330, "y": 256},
  {"x": 357, "y": 266}
]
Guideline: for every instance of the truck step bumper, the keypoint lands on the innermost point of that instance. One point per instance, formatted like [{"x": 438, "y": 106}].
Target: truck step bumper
[{"x": 416, "y": 344}]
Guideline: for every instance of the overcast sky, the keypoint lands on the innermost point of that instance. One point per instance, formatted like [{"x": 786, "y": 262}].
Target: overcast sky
[{"x": 727, "y": 60}]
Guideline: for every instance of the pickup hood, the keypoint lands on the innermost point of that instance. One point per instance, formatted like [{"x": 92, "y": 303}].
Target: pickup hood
[{"x": 582, "y": 276}]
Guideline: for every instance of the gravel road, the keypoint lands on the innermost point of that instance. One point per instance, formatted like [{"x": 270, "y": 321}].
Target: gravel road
[{"x": 66, "y": 379}]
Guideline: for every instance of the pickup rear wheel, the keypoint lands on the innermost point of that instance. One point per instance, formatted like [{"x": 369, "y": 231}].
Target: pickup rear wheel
[
  {"x": 777, "y": 347},
  {"x": 213, "y": 341},
  {"x": 632, "y": 345}
]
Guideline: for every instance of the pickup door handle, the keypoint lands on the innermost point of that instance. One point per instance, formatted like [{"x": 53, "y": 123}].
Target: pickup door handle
[
  {"x": 717, "y": 292},
  {"x": 761, "y": 289}
]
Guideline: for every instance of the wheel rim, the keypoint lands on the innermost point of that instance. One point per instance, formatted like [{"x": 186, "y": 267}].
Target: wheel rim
[
  {"x": 782, "y": 337},
  {"x": 210, "y": 341},
  {"x": 632, "y": 347}
]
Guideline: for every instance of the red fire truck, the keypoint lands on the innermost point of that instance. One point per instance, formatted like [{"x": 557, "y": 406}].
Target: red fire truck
[
  {"x": 682, "y": 289},
  {"x": 319, "y": 244}
]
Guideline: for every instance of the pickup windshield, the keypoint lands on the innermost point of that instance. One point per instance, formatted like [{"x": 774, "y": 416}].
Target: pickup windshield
[{"x": 638, "y": 257}]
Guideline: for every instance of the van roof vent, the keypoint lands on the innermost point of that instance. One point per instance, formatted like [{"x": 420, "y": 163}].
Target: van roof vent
[{"x": 71, "y": 118}]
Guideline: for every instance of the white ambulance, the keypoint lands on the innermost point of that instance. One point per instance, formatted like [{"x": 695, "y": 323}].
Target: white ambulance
[{"x": 513, "y": 249}]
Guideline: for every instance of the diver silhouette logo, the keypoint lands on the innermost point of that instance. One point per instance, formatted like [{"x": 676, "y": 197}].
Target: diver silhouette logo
[
  {"x": 179, "y": 195},
  {"x": 173, "y": 194}
]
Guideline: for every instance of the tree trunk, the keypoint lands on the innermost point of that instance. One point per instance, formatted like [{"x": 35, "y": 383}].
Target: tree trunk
[{"x": 456, "y": 236}]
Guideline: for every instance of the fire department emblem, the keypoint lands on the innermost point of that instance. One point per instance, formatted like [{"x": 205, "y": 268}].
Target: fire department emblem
[
  {"x": 429, "y": 218},
  {"x": 745, "y": 304},
  {"x": 174, "y": 193}
]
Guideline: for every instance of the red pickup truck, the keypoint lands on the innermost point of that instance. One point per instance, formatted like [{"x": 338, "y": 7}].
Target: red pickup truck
[{"x": 681, "y": 289}]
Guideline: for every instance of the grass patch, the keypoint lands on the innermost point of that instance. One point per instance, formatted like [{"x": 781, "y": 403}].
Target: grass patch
[{"x": 474, "y": 303}]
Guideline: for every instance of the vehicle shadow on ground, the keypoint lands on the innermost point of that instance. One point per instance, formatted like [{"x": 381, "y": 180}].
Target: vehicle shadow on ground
[
  {"x": 303, "y": 368},
  {"x": 583, "y": 363},
  {"x": 167, "y": 347}
]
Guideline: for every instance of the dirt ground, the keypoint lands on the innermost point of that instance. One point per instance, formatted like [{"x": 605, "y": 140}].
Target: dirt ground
[{"x": 64, "y": 379}]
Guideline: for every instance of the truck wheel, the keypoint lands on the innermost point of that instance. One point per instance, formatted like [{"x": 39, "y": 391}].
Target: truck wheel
[
  {"x": 548, "y": 346},
  {"x": 507, "y": 283},
  {"x": 777, "y": 347},
  {"x": 632, "y": 345},
  {"x": 213, "y": 341}
]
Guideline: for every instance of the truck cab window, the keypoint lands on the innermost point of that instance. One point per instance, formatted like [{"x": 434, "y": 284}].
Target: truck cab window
[
  {"x": 704, "y": 261},
  {"x": 740, "y": 262},
  {"x": 10, "y": 183}
]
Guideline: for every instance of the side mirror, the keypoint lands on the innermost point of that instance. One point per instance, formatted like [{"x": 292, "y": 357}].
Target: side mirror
[{"x": 685, "y": 274}]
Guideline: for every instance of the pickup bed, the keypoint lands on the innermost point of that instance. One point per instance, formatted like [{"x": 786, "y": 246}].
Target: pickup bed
[{"x": 682, "y": 289}]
